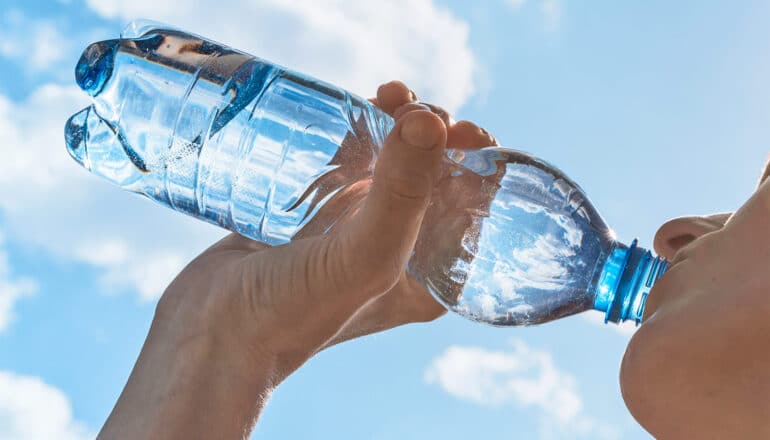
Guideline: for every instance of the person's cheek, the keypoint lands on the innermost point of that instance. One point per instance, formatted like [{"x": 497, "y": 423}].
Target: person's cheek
[
  {"x": 658, "y": 359},
  {"x": 644, "y": 383}
]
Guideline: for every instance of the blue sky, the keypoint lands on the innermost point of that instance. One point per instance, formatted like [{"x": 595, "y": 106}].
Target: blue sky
[{"x": 658, "y": 109}]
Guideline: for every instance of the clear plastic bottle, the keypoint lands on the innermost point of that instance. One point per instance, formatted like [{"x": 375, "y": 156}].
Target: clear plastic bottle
[{"x": 266, "y": 152}]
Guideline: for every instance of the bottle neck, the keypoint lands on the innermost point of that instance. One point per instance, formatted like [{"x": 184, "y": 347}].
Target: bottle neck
[{"x": 625, "y": 282}]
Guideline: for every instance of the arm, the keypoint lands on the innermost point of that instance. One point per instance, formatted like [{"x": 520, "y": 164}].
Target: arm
[{"x": 243, "y": 316}]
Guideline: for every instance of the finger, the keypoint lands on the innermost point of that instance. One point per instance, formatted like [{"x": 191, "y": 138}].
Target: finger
[
  {"x": 327, "y": 279},
  {"x": 393, "y": 95},
  {"x": 374, "y": 102},
  {"x": 378, "y": 244},
  {"x": 440, "y": 112},
  {"x": 407, "y": 302},
  {"x": 418, "y": 105},
  {"x": 409, "y": 107},
  {"x": 467, "y": 135}
]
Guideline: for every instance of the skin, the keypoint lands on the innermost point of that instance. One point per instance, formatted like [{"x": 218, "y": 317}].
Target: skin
[
  {"x": 699, "y": 366},
  {"x": 243, "y": 316}
]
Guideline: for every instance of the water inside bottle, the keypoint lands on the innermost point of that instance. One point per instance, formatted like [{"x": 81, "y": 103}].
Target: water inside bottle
[
  {"x": 219, "y": 134},
  {"x": 247, "y": 145},
  {"x": 511, "y": 241}
]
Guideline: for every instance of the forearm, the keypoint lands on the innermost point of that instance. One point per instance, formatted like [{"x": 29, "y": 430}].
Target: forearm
[{"x": 190, "y": 389}]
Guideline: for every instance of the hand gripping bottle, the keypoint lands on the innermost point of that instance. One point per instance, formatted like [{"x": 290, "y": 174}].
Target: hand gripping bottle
[{"x": 266, "y": 152}]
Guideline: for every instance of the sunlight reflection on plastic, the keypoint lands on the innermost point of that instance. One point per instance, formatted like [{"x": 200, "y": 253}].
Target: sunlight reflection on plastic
[{"x": 242, "y": 143}]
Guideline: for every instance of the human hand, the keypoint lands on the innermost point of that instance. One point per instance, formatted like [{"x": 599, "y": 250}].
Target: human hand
[
  {"x": 446, "y": 216},
  {"x": 699, "y": 366},
  {"x": 243, "y": 316}
]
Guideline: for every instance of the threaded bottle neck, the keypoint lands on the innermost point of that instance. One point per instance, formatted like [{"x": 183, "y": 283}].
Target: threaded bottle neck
[{"x": 625, "y": 282}]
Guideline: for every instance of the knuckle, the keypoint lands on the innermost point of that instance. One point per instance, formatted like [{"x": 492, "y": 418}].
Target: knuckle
[
  {"x": 438, "y": 110},
  {"x": 466, "y": 125},
  {"x": 334, "y": 262},
  {"x": 475, "y": 129},
  {"x": 392, "y": 86},
  {"x": 407, "y": 108}
]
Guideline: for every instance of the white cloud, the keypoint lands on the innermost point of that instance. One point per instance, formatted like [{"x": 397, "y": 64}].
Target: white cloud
[
  {"x": 149, "y": 275},
  {"x": 36, "y": 44},
  {"x": 50, "y": 202},
  {"x": 522, "y": 376},
  {"x": 543, "y": 262},
  {"x": 11, "y": 289},
  {"x": 106, "y": 253},
  {"x": 356, "y": 45},
  {"x": 33, "y": 410}
]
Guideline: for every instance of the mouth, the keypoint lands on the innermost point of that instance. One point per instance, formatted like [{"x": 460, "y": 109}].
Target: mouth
[{"x": 675, "y": 262}]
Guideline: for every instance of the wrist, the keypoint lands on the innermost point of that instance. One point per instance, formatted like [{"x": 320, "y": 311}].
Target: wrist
[{"x": 192, "y": 386}]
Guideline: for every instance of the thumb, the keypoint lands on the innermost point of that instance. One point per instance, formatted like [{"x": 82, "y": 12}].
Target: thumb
[
  {"x": 375, "y": 247},
  {"x": 325, "y": 279}
]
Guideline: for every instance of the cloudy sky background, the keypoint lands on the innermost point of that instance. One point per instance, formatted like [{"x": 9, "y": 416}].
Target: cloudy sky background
[{"x": 658, "y": 109}]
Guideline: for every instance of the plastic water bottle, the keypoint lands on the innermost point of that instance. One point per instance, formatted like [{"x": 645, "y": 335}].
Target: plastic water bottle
[{"x": 263, "y": 151}]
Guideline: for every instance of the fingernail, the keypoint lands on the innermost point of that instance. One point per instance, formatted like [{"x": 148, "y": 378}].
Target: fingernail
[{"x": 416, "y": 131}]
